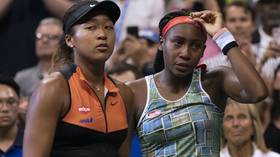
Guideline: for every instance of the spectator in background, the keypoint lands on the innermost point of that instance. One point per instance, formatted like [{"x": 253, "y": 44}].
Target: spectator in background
[
  {"x": 272, "y": 132},
  {"x": 141, "y": 13},
  {"x": 48, "y": 34},
  {"x": 136, "y": 51},
  {"x": 240, "y": 20},
  {"x": 149, "y": 39},
  {"x": 243, "y": 132},
  {"x": 11, "y": 135},
  {"x": 18, "y": 22},
  {"x": 193, "y": 5},
  {"x": 124, "y": 72},
  {"x": 268, "y": 50}
]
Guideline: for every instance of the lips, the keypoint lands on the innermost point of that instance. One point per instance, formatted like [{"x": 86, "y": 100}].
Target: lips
[
  {"x": 183, "y": 66},
  {"x": 5, "y": 118},
  {"x": 102, "y": 47},
  {"x": 236, "y": 133}
]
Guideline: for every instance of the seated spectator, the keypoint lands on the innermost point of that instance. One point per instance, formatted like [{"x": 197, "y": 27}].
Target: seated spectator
[
  {"x": 11, "y": 135},
  {"x": 141, "y": 13},
  {"x": 124, "y": 72},
  {"x": 272, "y": 133},
  {"x": 150, "y": 40},
  {"x": 267, "y": 48},
  {"x": 132, "y": 51},
  {"x": 48, "y": 35},
  {"x": 242, "y": 135}
]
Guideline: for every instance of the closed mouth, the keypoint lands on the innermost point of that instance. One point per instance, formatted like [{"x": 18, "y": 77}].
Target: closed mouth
[{"x": 102, "y": 46}]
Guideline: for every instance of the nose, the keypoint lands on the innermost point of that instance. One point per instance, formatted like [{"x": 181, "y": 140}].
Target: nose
[
  {"x": 45, "y": 39},
  {"x": 4, "y": 108},
  {"x": 185, "y": 54},
  {"x": 101, "y": 34},
  {"x": 237, "y": 25},
  {"x": 235, "y": 122}
]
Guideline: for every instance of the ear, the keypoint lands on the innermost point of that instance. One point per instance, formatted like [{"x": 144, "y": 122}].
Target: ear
[
  {"x": 69, "y": 40},
  {"x": 160, "y": 47}
]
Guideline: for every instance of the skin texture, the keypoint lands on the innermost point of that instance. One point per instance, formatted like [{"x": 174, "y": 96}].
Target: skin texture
[
  {"x": 241, "y": 82},
  {"x": 92, "y": 43},
  {"x": 238, "y": 129},
  {"x": 9, "y": 106}
]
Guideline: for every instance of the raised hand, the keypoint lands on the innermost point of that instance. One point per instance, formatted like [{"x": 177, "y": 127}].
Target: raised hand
[{"x": 211, "y": 20}]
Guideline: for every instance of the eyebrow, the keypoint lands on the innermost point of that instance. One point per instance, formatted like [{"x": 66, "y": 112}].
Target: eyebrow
[{"x": 185, "y": 38}]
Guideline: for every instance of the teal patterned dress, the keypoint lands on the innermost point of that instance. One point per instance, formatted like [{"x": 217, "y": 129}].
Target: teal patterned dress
[{"x": 187, "y": 127}]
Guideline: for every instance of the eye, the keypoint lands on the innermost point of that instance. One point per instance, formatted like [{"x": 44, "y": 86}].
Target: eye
[
  {"x": 177, "y": 43},
  {"x": 12, "y": 101},
  {"x": 242, "y": 116},
  {"x": 109, "y": 27},
  {"x": 196, "y": 45},
  {"x": 244, "y": 19},
  {"x": 228, "y": 118},
  {"x": 232, "y": 20},
  {"x": 91, "y": 27}
]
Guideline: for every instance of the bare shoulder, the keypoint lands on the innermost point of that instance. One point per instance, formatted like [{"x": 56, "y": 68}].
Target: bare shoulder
[
  {"x": 52, "y": 93},
  {"x": 137, "y": 86},
  {"x": 54, "y": 82},
  {"x": 139, "y": 89},
  {"x": 124, "y": 89}
]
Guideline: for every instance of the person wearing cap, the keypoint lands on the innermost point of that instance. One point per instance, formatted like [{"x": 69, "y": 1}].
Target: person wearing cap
[
  {"x": 78, "y": 111},
  {"x": 179, "y": 109}
]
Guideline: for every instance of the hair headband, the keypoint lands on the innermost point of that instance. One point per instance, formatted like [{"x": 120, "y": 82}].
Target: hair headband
[{"x": 182, "y": 19}]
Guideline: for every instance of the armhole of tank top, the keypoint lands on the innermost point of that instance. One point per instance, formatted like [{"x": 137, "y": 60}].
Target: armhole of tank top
[
  {"x": 67, "y": 72},
  {"x": 147, "y": 79},
  {"x": 201, "y": 87},
  {"x": 70, "y": 102}
]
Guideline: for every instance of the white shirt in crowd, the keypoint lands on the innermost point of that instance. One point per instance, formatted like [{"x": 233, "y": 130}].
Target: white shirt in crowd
[{"x": 257, "y": 153}]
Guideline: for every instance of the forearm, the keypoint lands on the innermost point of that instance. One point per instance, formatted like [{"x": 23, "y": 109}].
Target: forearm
[
  {"x": 58, "y": 7},
  {"x": 250, "y": 81},
  {"x": 4, "y": 7},
  {"x": 249, "y": 85}
]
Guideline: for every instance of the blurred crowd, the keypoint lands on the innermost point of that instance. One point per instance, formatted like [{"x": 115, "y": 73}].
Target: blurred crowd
[{"x": 30, "y": 31}]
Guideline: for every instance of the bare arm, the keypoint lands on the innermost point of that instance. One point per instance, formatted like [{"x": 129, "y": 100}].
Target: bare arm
[
  {"x": 242, "y": 82},
  {"x": 58, "y": 7},
  {"x": 4, "y": 7},
  {"x": 128, "y": 96},
  {"x": 45, "y": 109}
]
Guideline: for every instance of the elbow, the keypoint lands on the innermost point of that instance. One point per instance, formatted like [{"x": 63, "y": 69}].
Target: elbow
[{"x": 260, "y": 94}]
